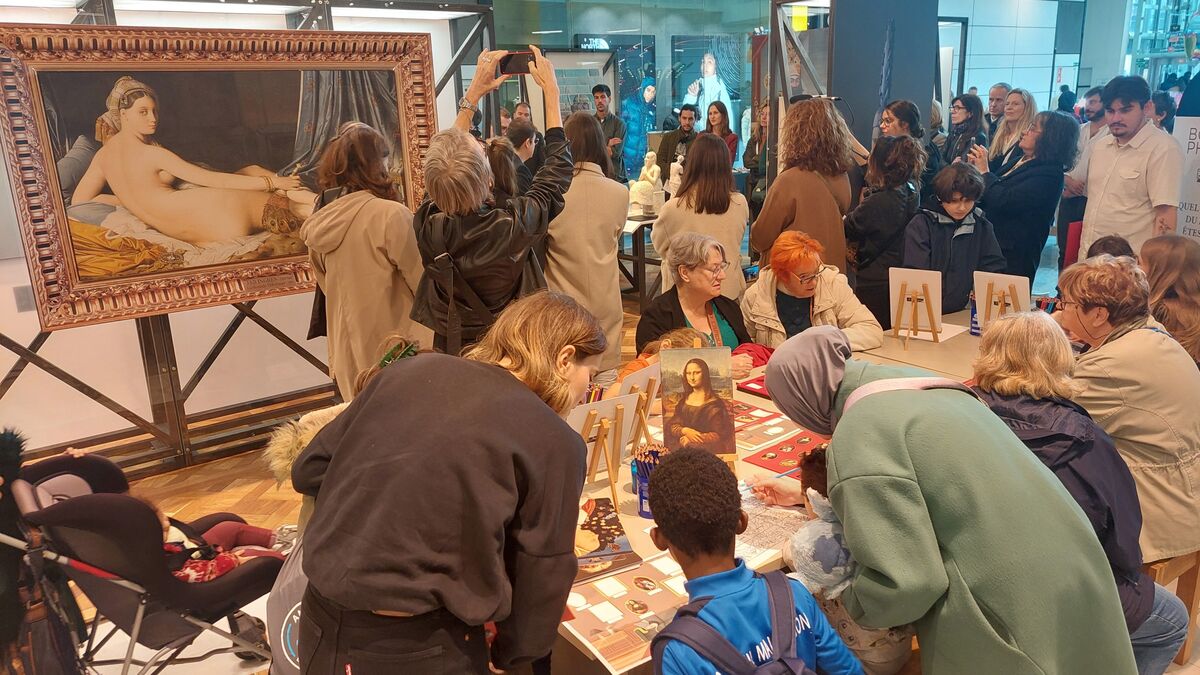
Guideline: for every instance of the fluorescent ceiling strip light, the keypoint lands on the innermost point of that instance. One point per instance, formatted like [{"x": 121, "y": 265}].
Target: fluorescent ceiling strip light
[
  {"x": 203, "y": 7},
  {"x": 544, "y": 32}
]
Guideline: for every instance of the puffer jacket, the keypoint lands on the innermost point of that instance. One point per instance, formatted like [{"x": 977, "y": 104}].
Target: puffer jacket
[
  {"x": 833, "y": 305},
  {"x": 492, "y": 252},
  {"x": 1074, "y": 448},
  {"x": 288, "y": 441}
]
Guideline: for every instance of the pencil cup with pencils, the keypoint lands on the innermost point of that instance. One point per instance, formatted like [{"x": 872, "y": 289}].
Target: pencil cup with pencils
[{"x": 645, "y": 458}]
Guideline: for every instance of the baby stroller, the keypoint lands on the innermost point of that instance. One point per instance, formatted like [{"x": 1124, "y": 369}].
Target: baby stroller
[{"x": 111, "y": 545}]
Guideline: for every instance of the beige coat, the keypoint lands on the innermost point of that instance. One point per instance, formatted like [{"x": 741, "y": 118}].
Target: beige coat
[
  {"x": 364, "y": 252},
  {"x": 581, "y": 257},
  {"x": 1142, "y": 388},
  {"x": 729, "y": 228},
  {"x": 833, "y": 305},
  {"x": 808, "y": 202}
]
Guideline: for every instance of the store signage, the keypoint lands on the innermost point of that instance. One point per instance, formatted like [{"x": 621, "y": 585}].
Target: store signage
[{"x": 1187, "y": 132}]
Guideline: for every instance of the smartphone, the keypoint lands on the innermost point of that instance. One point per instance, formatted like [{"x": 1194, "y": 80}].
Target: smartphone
[
  {"x": 966, "y": 156},
  {"x": 516, "y": 63}
]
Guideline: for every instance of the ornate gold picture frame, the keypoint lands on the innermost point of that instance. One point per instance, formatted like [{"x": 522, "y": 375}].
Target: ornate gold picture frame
[{"x": 92, "y": 114}]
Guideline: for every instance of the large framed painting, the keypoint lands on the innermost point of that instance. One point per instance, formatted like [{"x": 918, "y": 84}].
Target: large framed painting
[{"x": 161, "y": 170}]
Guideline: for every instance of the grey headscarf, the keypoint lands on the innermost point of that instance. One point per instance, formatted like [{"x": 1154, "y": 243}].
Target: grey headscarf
[{"x": 804, "y": 374}]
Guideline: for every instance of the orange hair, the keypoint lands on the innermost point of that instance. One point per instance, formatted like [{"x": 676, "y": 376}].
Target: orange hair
[{"x": 793, "y": 249}]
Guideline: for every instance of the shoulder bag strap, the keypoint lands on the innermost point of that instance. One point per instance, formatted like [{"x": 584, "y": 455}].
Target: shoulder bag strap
[
  {"x": 694, "y": 632},
  {"x": 905, "y": 383},
  {"x": 445, "y": 273}
]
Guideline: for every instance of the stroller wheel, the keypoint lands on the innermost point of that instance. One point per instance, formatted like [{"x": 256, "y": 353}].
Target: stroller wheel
[{"x": 250, "y": 629}]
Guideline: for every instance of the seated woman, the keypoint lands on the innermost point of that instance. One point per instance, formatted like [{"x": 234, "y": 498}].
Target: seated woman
[
  {"x": 698, "y": 265},
  {"x": 1172, "y": 265},
  {"x": 798, "y": 291},
  {"x": 1140, "y": 386},
  {"x": 1023, "y": 373},
  {"x": 140, "y": 173}
]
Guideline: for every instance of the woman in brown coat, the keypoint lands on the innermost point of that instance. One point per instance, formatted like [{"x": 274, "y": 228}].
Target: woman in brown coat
[{"x": 812, "y": 193}]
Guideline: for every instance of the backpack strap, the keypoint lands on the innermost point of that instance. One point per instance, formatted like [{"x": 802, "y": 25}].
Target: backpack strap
[
  {"x": 904, "y": 383},
  {"x": 445, "y": 274},
  {"x": 694, "y": 632},
  {"x": 783, "y": 615}
]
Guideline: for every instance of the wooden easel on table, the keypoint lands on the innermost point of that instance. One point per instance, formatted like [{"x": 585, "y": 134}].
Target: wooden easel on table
[
  {"x": 608, "y": 444},
  {"x": 1003, "y": 297},
  {"x": 903, "y": 298}
]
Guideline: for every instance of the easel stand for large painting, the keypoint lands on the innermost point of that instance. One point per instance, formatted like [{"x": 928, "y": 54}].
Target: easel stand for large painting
[
  {"x": 904, "y": 299},
  {"x": 1002, "y": 298}
]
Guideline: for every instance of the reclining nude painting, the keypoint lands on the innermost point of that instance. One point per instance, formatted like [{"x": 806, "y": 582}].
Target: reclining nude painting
[
  {"x": 159, "y": 170},
  {"x": 144, "y": 204}
]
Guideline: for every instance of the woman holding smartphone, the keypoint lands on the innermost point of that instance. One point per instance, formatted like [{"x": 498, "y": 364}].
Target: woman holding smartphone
[{"x": 967, "y": 128}]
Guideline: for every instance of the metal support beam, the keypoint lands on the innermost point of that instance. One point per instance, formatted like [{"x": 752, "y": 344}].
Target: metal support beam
[
  {"x": 13, "y": 373},
  {"x": 162, "y": 380},
  {"x": 83, "y": 388},
  {"x": 217, "y": 348},
  {"x": 317, "y": 17},
  {"x": 461, "y": 53},
  {"x": 245, "y": 308},
  {"x": 95, "y": 13}
]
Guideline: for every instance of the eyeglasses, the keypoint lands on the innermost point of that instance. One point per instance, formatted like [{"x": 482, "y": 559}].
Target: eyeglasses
[
  {"x": 1063, "y": 304},
  {"x": 808, "y": 278},
  {"x": 716, "y": 269},
  {"x": 958, "y": 107}
]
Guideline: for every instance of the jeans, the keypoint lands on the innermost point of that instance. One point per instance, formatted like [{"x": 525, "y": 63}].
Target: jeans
[{"x": 1157, "y": 641}]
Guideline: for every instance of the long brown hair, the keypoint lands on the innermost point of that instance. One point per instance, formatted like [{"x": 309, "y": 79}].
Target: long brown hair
[
  {"x": 707, "y": 176},
  {"x": 586, "y": 137},
  {"x": 723, "y": 130},
  {"x": 356, "y": 160},
  {"x": 503, "y": 160},
  {"x": 1172, "y": 264},
  {"x": 815, "y": 138},
  {"x": 894, "y": 161}
]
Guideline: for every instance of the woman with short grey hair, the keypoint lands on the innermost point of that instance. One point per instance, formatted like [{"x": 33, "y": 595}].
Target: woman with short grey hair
[
  {"x": 480, "y": 256},
  {"x": 698, "y": 264}
]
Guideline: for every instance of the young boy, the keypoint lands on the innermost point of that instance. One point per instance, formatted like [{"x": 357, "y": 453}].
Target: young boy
[
  {"x": 953, "y": 237},
  {"x": 698, "y": 515}
]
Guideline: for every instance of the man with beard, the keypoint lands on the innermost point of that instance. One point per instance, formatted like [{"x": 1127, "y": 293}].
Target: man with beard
[
  {"x": 614, "y": 130},
  {"x": 1132, "y": 174},
  {"x": 1074, "y": 201},
  {"x": 675, "y": 144}
]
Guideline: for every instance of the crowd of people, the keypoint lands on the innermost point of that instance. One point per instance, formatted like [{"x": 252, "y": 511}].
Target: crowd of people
[{"x": 1006, "y": 523}]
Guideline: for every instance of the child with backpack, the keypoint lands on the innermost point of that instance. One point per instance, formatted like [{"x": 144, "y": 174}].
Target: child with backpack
[{"x": 738, "y": 622}]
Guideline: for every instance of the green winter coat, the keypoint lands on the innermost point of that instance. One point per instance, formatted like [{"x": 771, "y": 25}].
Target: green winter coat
[{"x": 957, "y": 527}]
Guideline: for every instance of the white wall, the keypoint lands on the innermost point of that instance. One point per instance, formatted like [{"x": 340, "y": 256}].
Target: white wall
[
  {"x": 1104, "y": 38},
  {"x": 1009, "y": 41}
]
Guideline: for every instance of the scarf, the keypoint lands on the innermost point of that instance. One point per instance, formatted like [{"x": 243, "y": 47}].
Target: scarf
[{"x": 804, "y": 374}]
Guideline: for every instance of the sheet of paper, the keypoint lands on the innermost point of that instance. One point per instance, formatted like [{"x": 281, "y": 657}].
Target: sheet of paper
[
  {"x": 770, "y": 527},
  {"x": 949, "y": 330}
]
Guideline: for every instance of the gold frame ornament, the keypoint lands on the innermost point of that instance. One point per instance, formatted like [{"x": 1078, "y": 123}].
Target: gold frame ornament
[{"x": 65, "y": 300}]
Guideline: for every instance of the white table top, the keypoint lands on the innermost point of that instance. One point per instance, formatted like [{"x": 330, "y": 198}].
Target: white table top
[{"x": 951, "y": 358}]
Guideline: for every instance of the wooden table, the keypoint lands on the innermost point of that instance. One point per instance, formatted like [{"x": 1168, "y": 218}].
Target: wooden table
[
  {"x": 573, "y": 658},
  {"x": 638, "y": 261},
  {"x": 951, "y": 358}
]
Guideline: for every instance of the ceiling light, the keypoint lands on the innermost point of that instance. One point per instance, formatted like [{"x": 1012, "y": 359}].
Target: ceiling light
[{"x": 544, "y": 32}]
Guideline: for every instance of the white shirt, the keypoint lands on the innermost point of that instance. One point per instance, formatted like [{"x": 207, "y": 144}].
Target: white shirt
[
  {"x": 1126, "y": 182},
  {"x": 1086, "y": 141}
]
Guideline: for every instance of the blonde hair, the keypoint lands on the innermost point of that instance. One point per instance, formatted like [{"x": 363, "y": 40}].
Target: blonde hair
[
  {"x": 1116, "y": 284},
  {"x": 1010, "y": 132},
  {"x": 529, "y": 334},
  {"x": 1172, "y": 264},
  {"x": 1026, "y": 353},
  {"x": 679, "y": 338},
  {"x": 457, "y": 175}
]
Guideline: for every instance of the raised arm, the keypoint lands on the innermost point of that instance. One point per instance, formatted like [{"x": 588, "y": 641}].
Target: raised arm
[
  {"x": 544, "y": 199},
  {"x": 184, "y": 170},
  {"x": 485, "y": 81}
]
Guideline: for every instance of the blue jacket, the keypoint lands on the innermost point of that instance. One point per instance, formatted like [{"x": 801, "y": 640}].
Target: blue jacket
[
  {"x": 1077, "y": 450},
  {"x": 739, "y": 610}
]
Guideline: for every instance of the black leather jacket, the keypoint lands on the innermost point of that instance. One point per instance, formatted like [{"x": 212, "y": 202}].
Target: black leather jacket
[{"x": 491, "y": 252}]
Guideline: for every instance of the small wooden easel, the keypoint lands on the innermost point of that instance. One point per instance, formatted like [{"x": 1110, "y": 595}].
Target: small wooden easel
[
  {"x": 608, "y": 444},
  {"x": 1003, "y": 298},
  {"x": 914, "y": 298}
]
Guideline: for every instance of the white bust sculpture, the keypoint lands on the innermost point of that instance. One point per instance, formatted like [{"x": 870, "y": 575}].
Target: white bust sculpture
[{"x": 642, "y": 191}]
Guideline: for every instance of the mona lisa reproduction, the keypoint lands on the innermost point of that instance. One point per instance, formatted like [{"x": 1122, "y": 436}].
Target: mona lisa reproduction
[
  {"x": 697, "y": 391},
  {"x": 158, "y": 170}
]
